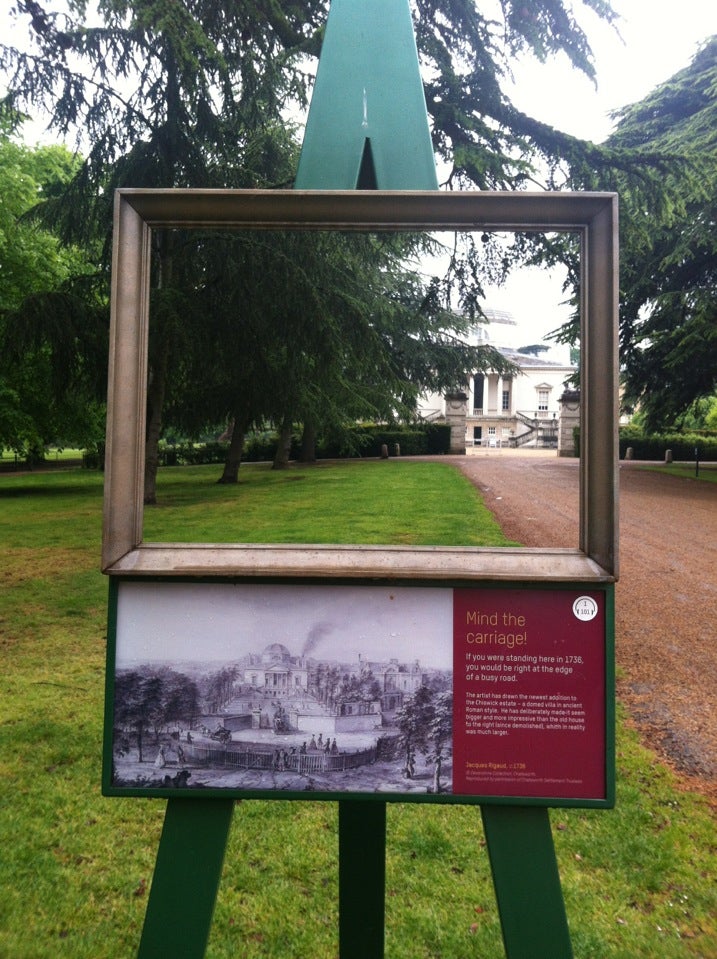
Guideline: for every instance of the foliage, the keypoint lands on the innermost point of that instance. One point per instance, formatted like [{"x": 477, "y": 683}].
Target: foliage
[
  {"x": 160, "y": 95},
  {"x": 217, "y": 689},
  {"x": 425, "y": 721},
  {"x": 668, "y": 243},
  {"x": 320, "y": 328},
  {"x": 364, "y": 688},
  {"x": 360, "y": 439},
  {"x": 174, "y": 95},
  {"x": 652, "y": 446},
  {"x": 45, "y": 350},
  {"x": 669, "y": 267}
]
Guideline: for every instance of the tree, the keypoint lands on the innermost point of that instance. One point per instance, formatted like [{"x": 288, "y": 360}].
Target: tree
[
  {"x": 193, "y": 94},
  {"x": 321, "y": 329},
  {"x": 218, "y": 688},
  {"x": 181, "y": 699},
  {"x": 440, "y": 735},
  {"x": 413, "y": 720},
  {"x": 669, "y": 264},
  {"x": 668, "y": 244},
  {"x": 164, "y": 95},
  {"x": 46, "y": 354},
  {"x": 138, "y": 703},
  {"x": 425, "y": 722}
]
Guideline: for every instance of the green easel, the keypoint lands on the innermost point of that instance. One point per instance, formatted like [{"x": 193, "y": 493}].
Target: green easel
[{"x": 367, "y": 129}]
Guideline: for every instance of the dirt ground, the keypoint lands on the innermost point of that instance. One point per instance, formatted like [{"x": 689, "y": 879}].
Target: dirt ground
[{"x": 666, "y": 597}]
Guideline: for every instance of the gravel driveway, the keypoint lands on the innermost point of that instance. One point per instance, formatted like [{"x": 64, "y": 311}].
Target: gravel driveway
[{"x": 666, "y": 598}]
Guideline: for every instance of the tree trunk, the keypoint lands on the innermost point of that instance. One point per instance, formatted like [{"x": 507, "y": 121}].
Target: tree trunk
[
  {"x": 437, "y": 774},
  {"x": 308, "y": 442},
  {"x": 281, "y": 459},
  {"x": 236, "y": 448},
  {"x": 155, "y": 402},
  {"x": 157, "y": 385}
]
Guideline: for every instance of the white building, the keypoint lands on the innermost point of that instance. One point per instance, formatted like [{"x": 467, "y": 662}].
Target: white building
[{"x": 510, "y": 410}]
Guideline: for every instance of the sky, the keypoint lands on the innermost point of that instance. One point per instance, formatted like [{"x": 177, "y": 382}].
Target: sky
[
  {"x": 655, "y": 40},
  {"x": 212, "y": 622}
]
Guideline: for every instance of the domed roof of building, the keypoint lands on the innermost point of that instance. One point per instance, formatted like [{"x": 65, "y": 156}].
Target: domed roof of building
[
  {"x": 500, "y": 316},
  {"x": 276, "y": 652}
]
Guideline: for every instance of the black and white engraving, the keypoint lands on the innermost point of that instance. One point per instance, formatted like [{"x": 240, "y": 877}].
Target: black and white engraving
[{"x": 283, "y": 688}]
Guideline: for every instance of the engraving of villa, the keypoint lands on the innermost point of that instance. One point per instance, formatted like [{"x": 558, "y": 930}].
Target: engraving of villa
[{"x": 276, "y": 691}]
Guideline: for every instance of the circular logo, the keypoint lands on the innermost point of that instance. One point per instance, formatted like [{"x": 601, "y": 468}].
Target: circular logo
[{"x": 585, "y": 608}]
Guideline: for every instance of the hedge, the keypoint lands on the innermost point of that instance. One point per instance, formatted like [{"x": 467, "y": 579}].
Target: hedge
[
  {"x": 364, "y": 440},
  {"x": 683, "y": 445}
]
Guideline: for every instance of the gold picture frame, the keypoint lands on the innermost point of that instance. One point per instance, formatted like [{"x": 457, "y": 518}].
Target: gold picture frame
[{"x": 592, "y": 216}]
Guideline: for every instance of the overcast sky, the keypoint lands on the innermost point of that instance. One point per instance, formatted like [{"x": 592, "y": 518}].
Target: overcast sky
[
  {"x": 175, "y": 622},
  {"x": 656, "y": 39}
]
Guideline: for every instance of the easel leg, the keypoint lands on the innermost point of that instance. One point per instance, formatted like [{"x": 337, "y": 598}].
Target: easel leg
[
  {"x": 186, "y": 878},
  {"x": 527, "y": 883},
  {"x": 362, "y": 879}
]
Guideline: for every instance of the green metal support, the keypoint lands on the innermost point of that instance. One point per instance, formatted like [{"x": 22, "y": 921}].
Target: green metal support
[
  {"x": 367, "y": 126},
  {"x": 367, "y": 129},
  {"x": 362, "y": 879},
  {"x": 527, "y": 883},
  {"x": 186, "y": 878}
]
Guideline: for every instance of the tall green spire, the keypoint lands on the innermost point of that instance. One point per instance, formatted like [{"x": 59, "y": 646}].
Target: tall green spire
[{"x": 367, "y": 126}]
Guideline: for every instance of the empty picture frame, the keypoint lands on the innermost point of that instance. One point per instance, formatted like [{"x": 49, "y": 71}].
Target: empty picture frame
[{"x": 592, "y": 216}]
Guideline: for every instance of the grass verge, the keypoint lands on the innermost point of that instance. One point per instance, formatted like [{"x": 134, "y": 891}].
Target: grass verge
[
  {"x": 75, "y": 869},
  {"x": 707, "y": 471}
]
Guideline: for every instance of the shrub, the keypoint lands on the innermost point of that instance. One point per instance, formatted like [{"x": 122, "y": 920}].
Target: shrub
[
  {"x": 653, "y": 447},
  {"x": 364, "y": 439}
]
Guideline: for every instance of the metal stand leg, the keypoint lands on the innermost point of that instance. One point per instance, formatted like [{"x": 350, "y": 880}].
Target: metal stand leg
[
  {"x": 186, "y": 878},
  {"x": 362, "y": 879},
  {"x": 527, "y": 883}
]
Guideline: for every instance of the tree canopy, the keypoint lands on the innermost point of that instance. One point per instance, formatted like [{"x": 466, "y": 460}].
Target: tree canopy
[
  {"x": 48, "y": 385},
  {"x": 669, "y": 261},
  {"x": 198, "y": 94}
]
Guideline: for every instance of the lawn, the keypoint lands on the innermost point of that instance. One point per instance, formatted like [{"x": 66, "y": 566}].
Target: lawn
[
  {"x": 707, "y": 472},
  {"x": 75, "y": 869}
]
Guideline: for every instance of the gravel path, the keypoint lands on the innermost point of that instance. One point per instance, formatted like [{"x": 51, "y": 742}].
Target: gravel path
[{"x": 666, "y": 598}]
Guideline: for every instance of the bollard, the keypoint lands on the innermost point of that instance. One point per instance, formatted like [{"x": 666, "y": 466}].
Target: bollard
[
  {"x": 629, "y": 453},
  {"x": 384, "y": 451},
  {"x": 397, "y": 449},
  {"x": 668, "y": 456}
]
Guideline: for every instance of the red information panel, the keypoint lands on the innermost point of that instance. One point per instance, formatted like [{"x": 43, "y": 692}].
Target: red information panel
[{"x": 529, "y": 693}]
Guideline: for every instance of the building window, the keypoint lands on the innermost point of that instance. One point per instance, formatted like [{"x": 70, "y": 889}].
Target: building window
[
  {"x": 505, "y": 396},
  {"x": 478, "y": 394},
  {"x": 543, "y": 399},
  {"x": 491, "y": 431}
]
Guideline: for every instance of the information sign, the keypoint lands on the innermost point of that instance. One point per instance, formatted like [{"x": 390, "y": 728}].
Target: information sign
[
  {"x": 529, "y": 687},
  {"x": 417, "y": 693}
]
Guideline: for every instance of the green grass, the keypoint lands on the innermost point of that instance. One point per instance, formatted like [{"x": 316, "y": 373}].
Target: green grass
[
  {"x": 707, "y": 471},
  {"x": 75, "y": 868},
  {"x": 373, "y": 502},
  {"x": 52, "y": 456}
]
